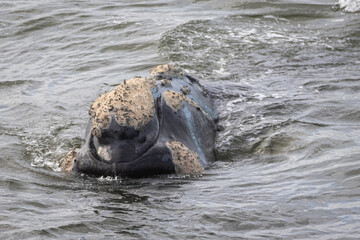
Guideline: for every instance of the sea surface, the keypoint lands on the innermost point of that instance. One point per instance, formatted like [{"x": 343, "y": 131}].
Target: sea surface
[{"x": 285, "y": 76}]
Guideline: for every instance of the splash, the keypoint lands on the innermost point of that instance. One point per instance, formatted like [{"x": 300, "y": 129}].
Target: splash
[
  {"x": 109, "y": 179},
  {"x": 349, "y": 5},
  {"x": 48, "y": 150}
]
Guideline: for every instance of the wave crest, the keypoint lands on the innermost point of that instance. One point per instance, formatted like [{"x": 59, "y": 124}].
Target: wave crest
[{"x": 348, "y": 5}]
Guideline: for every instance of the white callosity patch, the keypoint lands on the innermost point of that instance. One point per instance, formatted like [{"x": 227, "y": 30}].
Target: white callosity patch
[
  {"x": 68, "y": 161},
  {"x": 165, "y": 69},
  {"x": 185, "y": 160},
  {"x": 131, "y": 104},
  {"x": 175, "y": 100},
  {"x": 104, "y": 152}
]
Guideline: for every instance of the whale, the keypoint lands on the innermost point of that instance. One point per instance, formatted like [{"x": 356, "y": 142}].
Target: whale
[{"x": 164, "y": 123}]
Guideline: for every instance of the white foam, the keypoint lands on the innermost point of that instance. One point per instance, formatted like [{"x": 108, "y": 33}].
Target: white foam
[
  {"x": 109, "y": 179},
  {"x": 349, "y": 5},
  {"x": 43, "y": 161}
]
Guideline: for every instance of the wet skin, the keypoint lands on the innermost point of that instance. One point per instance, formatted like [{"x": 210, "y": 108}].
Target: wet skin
[{"x": 173, "y": 131}]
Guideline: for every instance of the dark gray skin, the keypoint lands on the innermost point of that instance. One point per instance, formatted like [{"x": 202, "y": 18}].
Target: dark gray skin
[{"x": 146, "y": 151}]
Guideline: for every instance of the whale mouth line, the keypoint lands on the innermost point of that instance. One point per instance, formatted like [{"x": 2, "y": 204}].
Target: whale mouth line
[{"x": 94, "y": 153}]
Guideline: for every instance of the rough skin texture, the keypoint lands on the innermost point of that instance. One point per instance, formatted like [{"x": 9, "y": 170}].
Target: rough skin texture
[
  {"x": 68, "y": 161},
  {"x": 175, "y": 100},
  {"x": 185, "y": 160},
  {"x": 152, "y": 107},
  {"x": 165, "y": 68},
  {"x": 131, "y": 104}
]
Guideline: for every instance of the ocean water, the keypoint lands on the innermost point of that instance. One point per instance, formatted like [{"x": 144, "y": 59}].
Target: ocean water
[{"x": 285, "y": 76}]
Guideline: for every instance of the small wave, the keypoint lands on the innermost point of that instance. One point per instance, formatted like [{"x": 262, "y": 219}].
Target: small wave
[
  {"x": 113, "y": 25},
  {"x": 37, "y": 24},
  {"x": 348, "y": 5},
  {"x": 15, "y": 83},
  {"x": 233, "y": 46}
]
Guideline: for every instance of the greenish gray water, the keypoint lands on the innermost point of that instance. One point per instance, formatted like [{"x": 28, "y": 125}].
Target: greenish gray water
[{"x": 286, "y": 80}]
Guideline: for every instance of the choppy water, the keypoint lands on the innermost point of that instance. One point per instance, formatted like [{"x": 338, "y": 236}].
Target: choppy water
[{"x": 286, "y": 79}]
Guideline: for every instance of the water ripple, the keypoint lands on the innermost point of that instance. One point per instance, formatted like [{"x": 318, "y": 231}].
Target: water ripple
[{"x": 284, "y": 76}]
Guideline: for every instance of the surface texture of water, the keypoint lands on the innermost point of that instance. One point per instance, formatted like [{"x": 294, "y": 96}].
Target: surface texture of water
[{"x": 286, "y": 79}]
